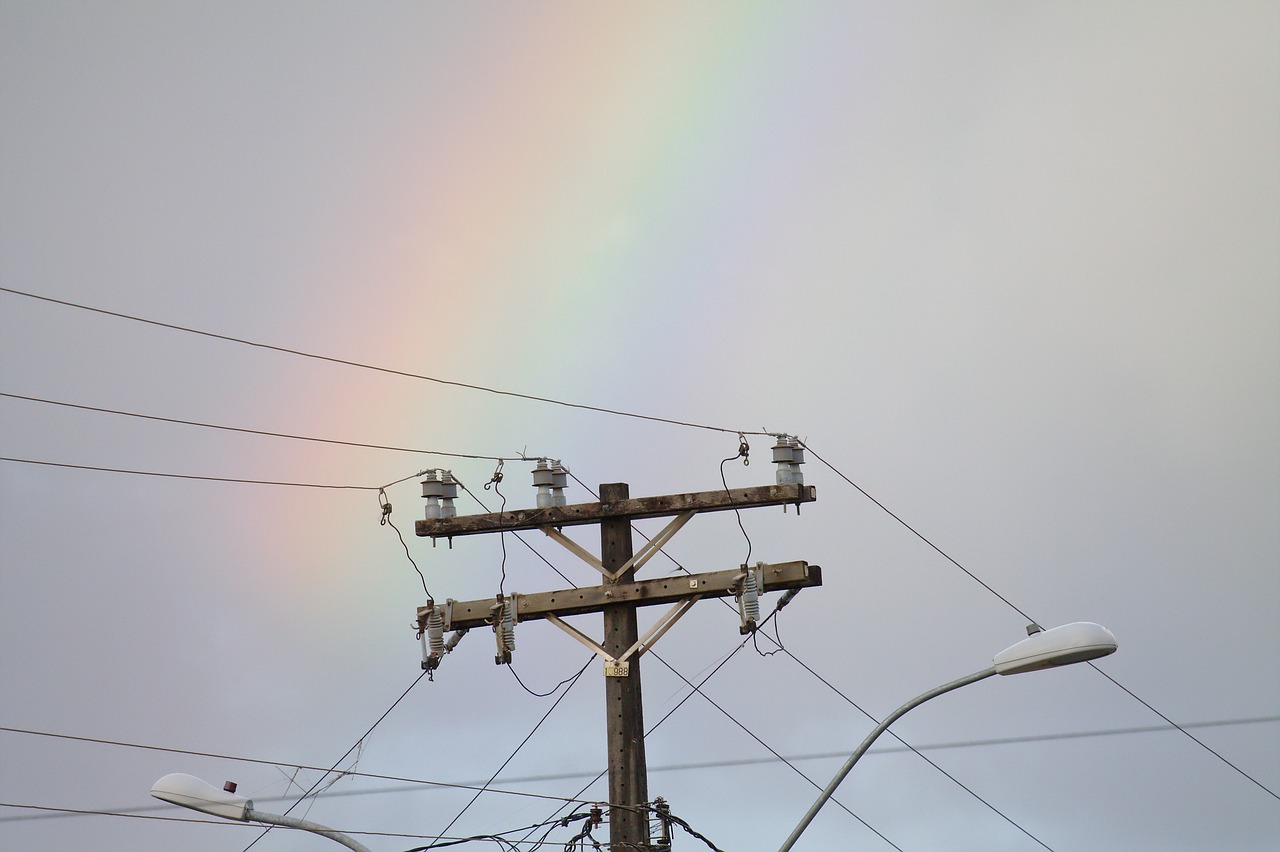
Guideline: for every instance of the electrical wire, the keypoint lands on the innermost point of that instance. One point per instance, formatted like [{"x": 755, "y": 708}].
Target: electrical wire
[
  {"x": 409, "y": 782},
  {"x": 405, "y": 785},
  {"x": 386, "y": 370},
  {"x": 66, "y": 812},
  {"x": 502, "y": 534},
  {"x": 552, "y": 690},
  {"x": 189, "y": 475},
  {"x": 1194, "y": 739},
  {"x": 357, "y": 744},
  {"x": 1018, "y": 610},
  {"x": 261, "y": 432},
  {"x": 573, "y": 681},
  {"x": 385, "y": 504},
  {"x": 744, "y": 453},
  {"x": 909, "y": 747},
  {"x": 915, "y": 532},
  {"x": 768, "y": 747},
  {"x": 519, "y": 537}
]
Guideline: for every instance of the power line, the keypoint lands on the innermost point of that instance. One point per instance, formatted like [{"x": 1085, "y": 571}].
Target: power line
[
  {"x": 53, "y": 811},
  {"x": 1018, "y": 610},
  {"x": 914, "y": 531},
  {"x": 743, "y": 451},
  {"x": 572, "y": 682},
  {"x": 190, "y": 475},
  {"x": 357, "y": 744},
  {"x": 387, "y": 370},
  {"x": 1194, "y": 739},
  {"x": 423, "y": 786},
  {"x": 409, "y": 782},
  {"x": 769, "y": 748},
  {"x": 262, "y": 432}
]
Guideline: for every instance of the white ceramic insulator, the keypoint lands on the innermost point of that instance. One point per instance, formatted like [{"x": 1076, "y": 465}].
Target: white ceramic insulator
[
  {"x": 509, "y": 625},
  {"x": 435, "y": 633},
  {"x": 751, "y": 597}
]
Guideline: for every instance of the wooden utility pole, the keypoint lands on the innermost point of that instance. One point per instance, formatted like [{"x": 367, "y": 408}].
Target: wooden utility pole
[
  {"x": 618, "y": 599},
  {"x": 628, "y": 776}
]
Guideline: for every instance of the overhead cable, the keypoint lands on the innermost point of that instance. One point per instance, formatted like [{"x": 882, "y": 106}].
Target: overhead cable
[
  {"x": 1019, "y": 610},
  {"x": 191, "y": 475},
  {"x": 387, "y": 370},
  {"x": 263, "y": 432}
]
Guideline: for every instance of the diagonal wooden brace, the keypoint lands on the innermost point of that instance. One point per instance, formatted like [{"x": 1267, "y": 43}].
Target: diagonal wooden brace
[
  {"x": 656, "y": 543},
  {"x": 617, "y": 667},
  {"x": 577, "y": 550}
]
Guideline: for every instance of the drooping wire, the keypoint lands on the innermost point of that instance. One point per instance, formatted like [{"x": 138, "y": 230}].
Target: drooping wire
[
  {"x": 358, "y": 744},
  {"x": 569, "y": 688},
  {"x": 744, "y": 453},
  {"x": 498, "y": 837},
  {"x": 494, "y": 481},
  {"x": 519, "y": 537},
  {"x": 690, "y": 830},
  {"x": 386, "y": 521},
  {"x": 386, "y": 370},
  {"x": 554, "y": 689}
]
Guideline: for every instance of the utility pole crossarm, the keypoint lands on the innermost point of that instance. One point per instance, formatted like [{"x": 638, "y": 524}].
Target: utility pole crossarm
[
  {"x": 662, "y": 590},
  {"x": 630, "y": 509}
]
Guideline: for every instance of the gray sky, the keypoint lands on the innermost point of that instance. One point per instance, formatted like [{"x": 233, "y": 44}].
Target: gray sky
[{"x": 1012, "y": 268}]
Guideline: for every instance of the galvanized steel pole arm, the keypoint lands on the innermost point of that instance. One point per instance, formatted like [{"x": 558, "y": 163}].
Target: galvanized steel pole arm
[
  {"x": 866, "y": 744},
  {"x": 251, "y": 815}
]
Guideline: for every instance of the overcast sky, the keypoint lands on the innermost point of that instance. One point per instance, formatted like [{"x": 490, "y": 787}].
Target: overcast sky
[{"x": 1012, "y": 268}]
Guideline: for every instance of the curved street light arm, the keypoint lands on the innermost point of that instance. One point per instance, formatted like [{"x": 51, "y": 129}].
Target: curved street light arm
[
  {"x": 291, "y": 822},
  {"x": 871, "y": 737}
]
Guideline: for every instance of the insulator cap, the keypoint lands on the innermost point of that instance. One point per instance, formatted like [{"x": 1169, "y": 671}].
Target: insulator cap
[
  {"x": 448, "y": 484},
  {"x": 543, "y": 476},
  {"x": 432, "y": 486},
  {"x": 559, "y": 475}
]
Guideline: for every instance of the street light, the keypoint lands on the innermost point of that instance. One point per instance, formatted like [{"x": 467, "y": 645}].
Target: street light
[
  {"x": 191, "y": 792},
  {"x": 1042, "y": 649}
]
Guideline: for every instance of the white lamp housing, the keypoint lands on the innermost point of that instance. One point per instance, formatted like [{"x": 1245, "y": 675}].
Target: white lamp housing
[
  {"x": 191, "y": 792},
  {"x": 1058, "y": 646}
]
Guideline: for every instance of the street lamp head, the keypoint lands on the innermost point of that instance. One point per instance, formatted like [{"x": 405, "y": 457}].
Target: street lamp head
[
  {"x": 1058, "y": 646},
  {"x": 191, "y": 792}
]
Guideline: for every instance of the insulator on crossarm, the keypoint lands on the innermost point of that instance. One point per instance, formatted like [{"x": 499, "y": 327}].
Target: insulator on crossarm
[
  {"x": 783, "y": 453},
  {"x": 559, "y": 480},
  {"x": 749, "y": 600},
  {"x": 788, "y": 455},
  {"x": 435, "y": 633},
  {"x": 433, "y": 490},
  {"x": 449, "y": 486},
  {"x": 509, "y": 624},
  {"x": 543, "y": 479},
  {"x": 504, "y": 628}
]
